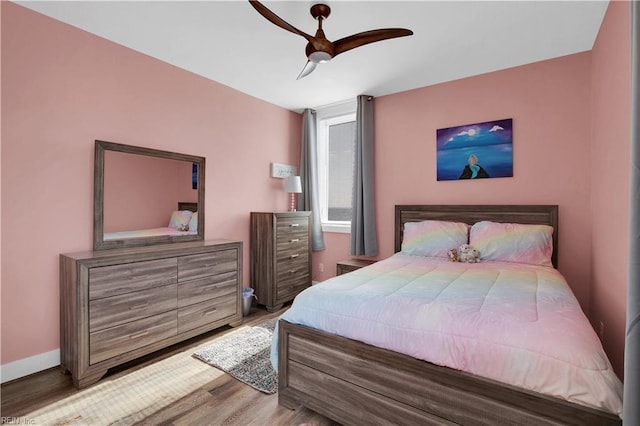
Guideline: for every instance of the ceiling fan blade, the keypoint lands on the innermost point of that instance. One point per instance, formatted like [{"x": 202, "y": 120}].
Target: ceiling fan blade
[
  {"x": 308, "y": 69},
  {"x": 275, "y": 19},
  {"x": 360, "y": 39}
]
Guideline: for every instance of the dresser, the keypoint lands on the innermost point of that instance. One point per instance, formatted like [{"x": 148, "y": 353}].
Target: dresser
[
  {"x": 117, "y": 305},
  {"x": 280, "y": 252}
]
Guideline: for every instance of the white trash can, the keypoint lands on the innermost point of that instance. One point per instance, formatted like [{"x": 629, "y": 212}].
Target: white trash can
[{"x": 247, "y": 300}]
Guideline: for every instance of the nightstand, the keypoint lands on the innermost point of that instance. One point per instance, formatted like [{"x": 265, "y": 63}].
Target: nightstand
[{"x": 345, "y": 266}]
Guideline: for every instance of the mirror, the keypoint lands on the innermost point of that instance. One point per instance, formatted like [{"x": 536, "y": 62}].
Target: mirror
[{"x": 144, "y": 196}]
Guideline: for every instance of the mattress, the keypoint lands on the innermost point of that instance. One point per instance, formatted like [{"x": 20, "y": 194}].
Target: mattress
[
  {"x": 515, "y": 323},
  {"x": 144, "y": 233}
]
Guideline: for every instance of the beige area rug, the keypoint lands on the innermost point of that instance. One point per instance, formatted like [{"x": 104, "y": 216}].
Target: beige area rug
[
  {"x": 245, "y": 355},
  {"x": 135, "y": 396}
]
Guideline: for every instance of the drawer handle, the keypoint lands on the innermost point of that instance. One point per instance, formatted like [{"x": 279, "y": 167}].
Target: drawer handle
[
  {"x": 138, "y": 306},
  {"x": 295, "y": 240},
  {"x": 210, "y": 311},
  {"x": 139, "y": 334},
  {"x": 293, "y": 256},
  {"x": 137, "y": 277},
  {"x": 294, "y": 225}
]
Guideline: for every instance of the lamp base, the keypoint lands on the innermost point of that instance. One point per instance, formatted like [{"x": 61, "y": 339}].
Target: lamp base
[{"x": 292, "y": 207}]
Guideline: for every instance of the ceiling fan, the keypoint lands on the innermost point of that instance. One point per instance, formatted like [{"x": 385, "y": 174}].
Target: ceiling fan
[{"x": 319, "y": 49}]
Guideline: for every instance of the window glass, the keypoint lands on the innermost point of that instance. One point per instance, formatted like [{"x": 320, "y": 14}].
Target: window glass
[
  {"x": 340, "y": 171},
  {"x": 336, "y": 143}
]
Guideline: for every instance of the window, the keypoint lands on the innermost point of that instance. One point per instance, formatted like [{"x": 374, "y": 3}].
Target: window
[{"x": 336, "y": 128}]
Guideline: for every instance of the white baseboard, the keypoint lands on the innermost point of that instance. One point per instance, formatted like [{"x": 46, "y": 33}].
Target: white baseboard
[{"x": 33, "y": 364}]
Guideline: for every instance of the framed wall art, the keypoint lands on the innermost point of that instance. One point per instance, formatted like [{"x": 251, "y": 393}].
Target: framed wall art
[
  {"x": 475, "y": 151},
  {"x": 194, "y": 176}
]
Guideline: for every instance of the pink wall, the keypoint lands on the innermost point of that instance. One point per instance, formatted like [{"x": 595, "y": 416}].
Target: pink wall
[
  {"x": 549, "y": 104},
  {"x": 140, "y": 192},
  {"x": 610, "y": 153},
  {"x": 62, "y": 89}
]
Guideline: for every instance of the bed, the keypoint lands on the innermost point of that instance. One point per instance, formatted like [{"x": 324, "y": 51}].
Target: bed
[
  {"x": 361, "y": 378},
  {"x": 187, "y": 214}
]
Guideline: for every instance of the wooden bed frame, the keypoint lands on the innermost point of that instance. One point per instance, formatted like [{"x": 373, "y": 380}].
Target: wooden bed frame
[{"x": 355, "y": 383}]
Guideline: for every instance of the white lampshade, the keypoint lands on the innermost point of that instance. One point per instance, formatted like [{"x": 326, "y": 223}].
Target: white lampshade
[{"x": 292, "y": 184}]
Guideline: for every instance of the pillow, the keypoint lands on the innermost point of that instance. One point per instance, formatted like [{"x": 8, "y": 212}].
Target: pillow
[
  {"x": 179, "y": 218},
  {"x": 513, "y": 242},
  {"x": 193, "y": 222},
  {"x": 433, "y": 238}
]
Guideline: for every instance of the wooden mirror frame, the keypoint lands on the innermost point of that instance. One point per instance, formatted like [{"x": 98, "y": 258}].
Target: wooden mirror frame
[{"x": 98, "y": 197}]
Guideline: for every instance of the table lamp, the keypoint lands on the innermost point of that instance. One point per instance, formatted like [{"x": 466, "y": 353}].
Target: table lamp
[{"x": 293, "y": 186}]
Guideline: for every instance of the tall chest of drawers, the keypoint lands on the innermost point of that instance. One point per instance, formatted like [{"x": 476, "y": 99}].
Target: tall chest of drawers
[
  {"x": 117, "y": 305},
  {"x": 280, "y": 252}
]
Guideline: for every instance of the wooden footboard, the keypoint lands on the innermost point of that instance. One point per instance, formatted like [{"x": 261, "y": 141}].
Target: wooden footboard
[{"x": 354, "y": 383}]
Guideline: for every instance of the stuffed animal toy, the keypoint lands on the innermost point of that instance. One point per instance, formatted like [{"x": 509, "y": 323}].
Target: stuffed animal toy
[
  {"x": 453, "y": 255},
  {"x": 468, "y": 254}
]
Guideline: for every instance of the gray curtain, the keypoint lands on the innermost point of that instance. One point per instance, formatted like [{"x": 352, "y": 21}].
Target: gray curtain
[
  {"x": 631, "y": 411},
  {"x": 363, "y": 221},
  {"x": 308, "y": 199}
]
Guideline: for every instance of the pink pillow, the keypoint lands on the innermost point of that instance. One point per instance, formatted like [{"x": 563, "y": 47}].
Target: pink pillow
[
  {"x": 179, "y": 218},
  {"x": 513, "y": 242},
  {"x": 193, "y": 222},
  {"x": 433, "y": 238}
]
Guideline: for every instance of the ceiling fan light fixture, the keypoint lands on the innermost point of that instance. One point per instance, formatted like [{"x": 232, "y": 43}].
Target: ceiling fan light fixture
[
  {"x": 318, "y": 48},
  {"x": 319, "y": 57}
]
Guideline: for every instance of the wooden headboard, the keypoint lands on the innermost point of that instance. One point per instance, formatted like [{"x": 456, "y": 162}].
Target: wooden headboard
[
  {"x": 528, "y": 214},
  {"x": 187, "y": 205}
]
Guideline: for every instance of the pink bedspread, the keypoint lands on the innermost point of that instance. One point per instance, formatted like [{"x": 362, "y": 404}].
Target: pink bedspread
[{"x": 515, "y": 323}]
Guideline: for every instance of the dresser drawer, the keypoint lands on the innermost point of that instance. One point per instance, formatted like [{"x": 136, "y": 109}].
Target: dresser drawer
[
  {"x": 288, "y": 288},
  {"x": 203, "y": 313},
  {"x": 292, "y": 252},
  {"x": 118, "y": 340},
  {"x": 292, "y": 276},
  {"x": 120, "y": 279},
  {"x": 292, "y": 243},
  {"x": 290, "y": 265},
  {"x": 116, "y": 310},
  {"x": 196, "y": 291},
  {"x": 202, "y": 265},
  {"x": 286, "y": 226}
]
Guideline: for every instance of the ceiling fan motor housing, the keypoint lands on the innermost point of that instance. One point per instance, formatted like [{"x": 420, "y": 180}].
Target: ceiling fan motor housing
[{"x": 320, "y": 49}]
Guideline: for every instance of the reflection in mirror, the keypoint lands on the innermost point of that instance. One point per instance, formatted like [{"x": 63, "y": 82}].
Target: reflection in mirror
[{"x": 144, "y": 196}]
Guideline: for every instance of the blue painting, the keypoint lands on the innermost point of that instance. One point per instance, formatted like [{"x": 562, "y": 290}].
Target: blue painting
[
  {"x": 194, "y": 176},
  {"x": 475, "y": 151}
]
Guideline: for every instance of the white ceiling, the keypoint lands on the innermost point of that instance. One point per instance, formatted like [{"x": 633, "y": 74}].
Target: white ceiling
[{"x": 229, "y": 42}]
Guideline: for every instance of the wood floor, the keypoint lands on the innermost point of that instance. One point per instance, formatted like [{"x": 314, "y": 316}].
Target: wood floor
[{"x": 223, "y": 401}]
